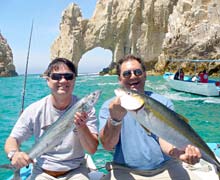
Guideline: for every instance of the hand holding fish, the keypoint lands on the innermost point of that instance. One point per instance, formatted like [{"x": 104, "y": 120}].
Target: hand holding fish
[
  {"x": 88, "y": 140},
  {"x": 116, "y": 110},
  {"x": 20, "y": 159},
  {"x": 80, "y": 119},
  {"x": 190, "y": 155}
]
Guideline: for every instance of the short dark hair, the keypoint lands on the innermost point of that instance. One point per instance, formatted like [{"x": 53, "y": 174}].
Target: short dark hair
[
  {"x": 54, "y": 64},
  {"x": 129, "y": 57}
]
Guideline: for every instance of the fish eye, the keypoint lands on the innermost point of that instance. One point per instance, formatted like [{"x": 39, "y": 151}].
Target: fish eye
[{"x": 86, "y": 107}]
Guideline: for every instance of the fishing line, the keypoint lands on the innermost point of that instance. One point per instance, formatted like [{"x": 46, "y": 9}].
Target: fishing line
[{"x": 26, "y": 68}]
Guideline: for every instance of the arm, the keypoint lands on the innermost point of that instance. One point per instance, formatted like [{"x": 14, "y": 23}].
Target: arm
[
  {"x": 11, "y": 144},
  {"x": 109, "y": 135},
  {"x": 20, "y": 132},
  {"x": 190, "y": 154},
  {"x": 19, "y": 159},
  {"x": 88, "y": 140}
]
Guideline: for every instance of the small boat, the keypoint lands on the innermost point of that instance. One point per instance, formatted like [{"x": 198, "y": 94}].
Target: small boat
[
  {"x": 93, "y": 174},
  {"x": 192, "y": 84},
  {"x": 212, "y": 88}
]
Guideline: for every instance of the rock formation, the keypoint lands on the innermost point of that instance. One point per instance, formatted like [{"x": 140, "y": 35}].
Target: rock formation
[
  {"x": 193, "y": 33},
  {"x": 155, "y": 30},
  {"x": 7, "y": 67}
]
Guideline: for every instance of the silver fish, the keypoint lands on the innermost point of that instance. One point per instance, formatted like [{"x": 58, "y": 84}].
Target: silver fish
[
  {"x": 58, "y": 130},
  {"x": 165, "y": 123}
]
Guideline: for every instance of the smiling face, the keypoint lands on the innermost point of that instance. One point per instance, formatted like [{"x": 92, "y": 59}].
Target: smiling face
[
  {"x": 61, "y": 87},
  {"x": 134, "y": 81}
]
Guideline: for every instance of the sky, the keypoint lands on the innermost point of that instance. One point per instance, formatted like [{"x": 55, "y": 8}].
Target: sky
[{"x": 16, "y": 17}]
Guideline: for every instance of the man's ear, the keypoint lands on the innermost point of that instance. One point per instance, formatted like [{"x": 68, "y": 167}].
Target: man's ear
[{"x": 46, "y": 78}]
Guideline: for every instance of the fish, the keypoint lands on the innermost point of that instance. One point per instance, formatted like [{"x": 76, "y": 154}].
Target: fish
[
  {"x": 160, "y": 120},
  {"x": 58, "y": 130}
]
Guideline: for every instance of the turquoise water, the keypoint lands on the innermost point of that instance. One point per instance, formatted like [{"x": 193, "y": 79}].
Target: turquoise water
[{"x": 203, "y": 112}]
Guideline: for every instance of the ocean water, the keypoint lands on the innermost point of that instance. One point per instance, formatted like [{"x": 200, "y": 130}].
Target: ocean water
[{"x": 202, "y": 112}]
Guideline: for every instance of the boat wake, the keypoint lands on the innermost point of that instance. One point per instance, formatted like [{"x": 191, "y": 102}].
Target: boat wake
[
  {"x": 180, "y": 97},
  {"x": 212, "y": 100}
]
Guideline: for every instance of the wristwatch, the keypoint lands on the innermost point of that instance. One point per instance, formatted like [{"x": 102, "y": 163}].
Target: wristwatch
[
  {"x": 11, "y": 154},
  {"x": 115, "y": 122}
]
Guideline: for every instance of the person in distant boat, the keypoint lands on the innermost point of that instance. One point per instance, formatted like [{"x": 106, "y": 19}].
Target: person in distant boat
[
  {"x": 203, "y": 76},
  {"x": 179, "y": 75},
  {"x": 137, "y": 154},
  {"x": 66, "y": 159}
]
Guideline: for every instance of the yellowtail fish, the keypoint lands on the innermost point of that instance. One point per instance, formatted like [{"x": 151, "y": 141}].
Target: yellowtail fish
[
  {"x": 58, "y": 130},
  {"x": 164, "y": 122}
]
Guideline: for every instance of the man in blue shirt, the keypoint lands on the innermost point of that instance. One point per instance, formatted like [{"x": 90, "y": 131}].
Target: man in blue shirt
[{"x": 139, "y": 155}]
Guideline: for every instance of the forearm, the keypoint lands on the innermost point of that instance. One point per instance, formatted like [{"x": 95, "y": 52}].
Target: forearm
[
  {"x": 109, "y": 135},
  {"x": 88, "y": 140},
  {"x": 169, "y": 149},
  {"x": 19, "y": 159},
  {"x": 11, "y": 144}
]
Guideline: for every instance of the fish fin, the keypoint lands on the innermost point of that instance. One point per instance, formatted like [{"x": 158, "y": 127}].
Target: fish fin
[
  {"x": 183, "y": 118},
  {"x": 147, "y": 130}
]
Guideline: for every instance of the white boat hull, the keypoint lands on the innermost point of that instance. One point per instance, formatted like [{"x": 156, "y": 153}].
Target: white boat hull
[{"x": 205, "y": 89}]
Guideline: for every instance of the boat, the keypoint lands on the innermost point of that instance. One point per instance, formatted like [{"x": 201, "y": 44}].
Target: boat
[
  {"x": 93, "y": 174},
  {"x": 192, "y": 84},
  {"x": 203, "y": 170}
]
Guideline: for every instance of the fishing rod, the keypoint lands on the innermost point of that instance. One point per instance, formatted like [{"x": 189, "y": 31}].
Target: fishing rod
[{"x": 26, "y": 68}]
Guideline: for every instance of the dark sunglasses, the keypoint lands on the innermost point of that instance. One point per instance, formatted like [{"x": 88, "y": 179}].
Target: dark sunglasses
[
  {"x": 136, "y": 72},
  {"x": 58, "y": 76}
]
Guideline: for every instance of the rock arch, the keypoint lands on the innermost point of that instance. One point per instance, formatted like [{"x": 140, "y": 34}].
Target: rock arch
[
  {"x": 121, "y": 26},
  {"x": 152, "y": 29}
]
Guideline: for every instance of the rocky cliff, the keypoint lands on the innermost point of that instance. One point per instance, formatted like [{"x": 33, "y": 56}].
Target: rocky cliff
[
  {"x": 156, "y": 30},
  {"x": 6, "y": 59},
  {"x": 193, "y": 33}
]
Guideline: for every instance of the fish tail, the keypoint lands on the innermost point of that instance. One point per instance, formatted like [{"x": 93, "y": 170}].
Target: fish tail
[
  {"x": 16, "y": 171},
  {"x": 6, "y": 166},
  {"x": 16, "y": 175}
]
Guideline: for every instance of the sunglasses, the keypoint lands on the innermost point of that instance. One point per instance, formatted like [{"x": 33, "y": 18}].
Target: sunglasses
[
  {"x": 59, "y": 76},
  {"x": 136, "y": 72}
]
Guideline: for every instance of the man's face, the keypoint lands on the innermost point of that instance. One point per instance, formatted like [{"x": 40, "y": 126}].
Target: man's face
[
  {"x": 132, "y": 76},
  {"x": 61, "y": 81}
]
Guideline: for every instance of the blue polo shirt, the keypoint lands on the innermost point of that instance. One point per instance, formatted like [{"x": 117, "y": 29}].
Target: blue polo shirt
[{"x": 136, "y": 148}]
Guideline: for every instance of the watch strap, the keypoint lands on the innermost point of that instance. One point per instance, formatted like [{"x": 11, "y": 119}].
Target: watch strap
[
  {"x": 115, "y": 122},
  {"x": 11, "y": 154}
]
